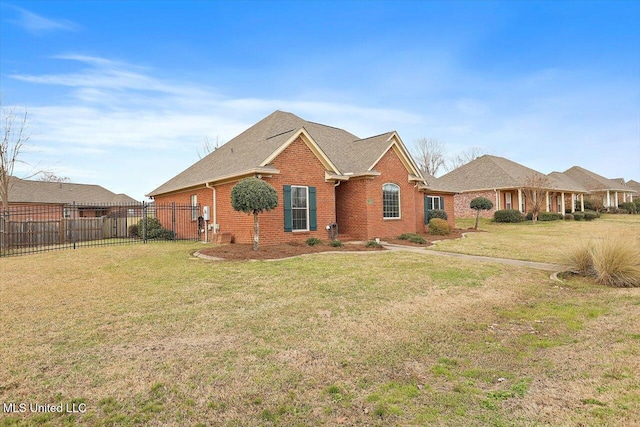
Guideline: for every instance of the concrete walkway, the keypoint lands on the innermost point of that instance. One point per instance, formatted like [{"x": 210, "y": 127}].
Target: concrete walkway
[{"x": 528, "y": 264}]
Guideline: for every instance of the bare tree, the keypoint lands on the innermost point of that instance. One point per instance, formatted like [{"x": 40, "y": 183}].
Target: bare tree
[
  {"x": 15, "y": 135},
  {"x": 52, "y": 177},
  {"x": 468, "y": 155},
  {"x": 430, "y": 155},
  {"x": 535, "y": 191},
  {"x": 208, "y": 147}
]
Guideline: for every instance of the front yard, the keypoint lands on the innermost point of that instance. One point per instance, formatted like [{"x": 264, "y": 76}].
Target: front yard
[
  {"x": 147, "y": 334},
  {"x": 543, "y": 241}
]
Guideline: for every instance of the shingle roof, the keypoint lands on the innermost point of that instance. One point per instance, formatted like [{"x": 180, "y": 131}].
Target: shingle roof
[
  {"x": 564, "y": 182},
  {"x": 487, "y": 172},
  {"x": 247, "y": 151},
  {"x": 634, "y": 185},
  {"x": 594, "y": 182},
  {"x": 435, "y": 184},
  {"x": 27, "y": 191}
]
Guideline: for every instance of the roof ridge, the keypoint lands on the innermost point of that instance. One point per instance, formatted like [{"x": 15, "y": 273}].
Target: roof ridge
[
  {"x": 374, "y": 136},
  {"x": 281, "y": 133}
]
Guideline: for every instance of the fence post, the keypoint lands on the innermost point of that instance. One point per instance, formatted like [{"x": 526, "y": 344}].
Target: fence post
[
  {"x": 144, "y": 222},
  {"x": 73, "y": 225},
  {"x": 173, "y": 221}
]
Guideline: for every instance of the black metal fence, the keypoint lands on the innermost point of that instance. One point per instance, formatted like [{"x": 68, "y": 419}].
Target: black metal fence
[{"x": 26, "y": 229}]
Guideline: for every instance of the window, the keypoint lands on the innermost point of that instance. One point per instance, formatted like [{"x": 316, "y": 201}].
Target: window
[
  {"x": 390, "y": 201},
  {"x": 300, "y": 213},
  {"x": 194, "y": 207},
  {"x": 507, "y": 200},
  {"x": 299, "y": 208},
  {"x": 435, "y": 202}
]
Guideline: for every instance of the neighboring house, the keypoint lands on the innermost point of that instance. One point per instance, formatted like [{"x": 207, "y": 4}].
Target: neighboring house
[
  {"x": 611, "y": 192},
  {"x": 634, "y": 185},
  {"x": 503, "y": 182},
  {"x": 43, "y": 200},
  {"x": 323, "y": 176}
]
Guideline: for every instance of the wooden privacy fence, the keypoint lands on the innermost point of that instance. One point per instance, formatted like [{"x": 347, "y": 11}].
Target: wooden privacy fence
[{"x": 16, "y": 234}]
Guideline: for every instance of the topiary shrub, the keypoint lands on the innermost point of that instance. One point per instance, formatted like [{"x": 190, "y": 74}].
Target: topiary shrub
[
  {"x": 578, "y": 216},
  {"x": 253, "y": 196},
  {"x": 549, "y": 216},
  {"x": 439, "y": 227},
  {"x": 480, "y": 204},
  {"x": 508, "y": 215},
  {"x": 436, "y": 213},
  {"x": 312, "y": 241},
  {"x": 568, "y": 216}
]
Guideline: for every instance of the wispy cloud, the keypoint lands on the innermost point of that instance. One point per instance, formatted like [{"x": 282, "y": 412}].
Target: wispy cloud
[
  {"x": 38, "y": 24},
  {"x": 115, "y": 113}
]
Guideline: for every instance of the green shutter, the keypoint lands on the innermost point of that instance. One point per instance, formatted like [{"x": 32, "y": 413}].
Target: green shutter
[
  {"x": 313, "y": 222},
  {"x": 288, "y": 221},
  {"x": 427, "y": 206},
  {"x": 442, "y": 203}
]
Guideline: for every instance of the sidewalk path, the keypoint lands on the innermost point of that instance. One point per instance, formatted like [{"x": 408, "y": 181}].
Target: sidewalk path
[{"x": 528, "y": 264}]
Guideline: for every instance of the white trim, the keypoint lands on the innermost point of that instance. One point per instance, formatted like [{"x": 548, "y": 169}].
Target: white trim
[
  {"x": 399, "y": 202},
  {"x": 309, "y": 141},
  {"x": 405, "y": 156},
  {"x": 306, "y": 209}
]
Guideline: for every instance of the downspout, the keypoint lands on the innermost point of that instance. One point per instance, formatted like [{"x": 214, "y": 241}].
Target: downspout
[
  {"x": 214, "y": 208},
  {"x": 335, "y": 202}
]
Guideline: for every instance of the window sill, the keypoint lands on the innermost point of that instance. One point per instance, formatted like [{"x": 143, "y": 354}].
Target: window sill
[{"x": 391, "y": 219}]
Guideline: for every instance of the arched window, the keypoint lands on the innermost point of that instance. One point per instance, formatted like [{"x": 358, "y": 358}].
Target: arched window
[{"x": 390, "y": 201}]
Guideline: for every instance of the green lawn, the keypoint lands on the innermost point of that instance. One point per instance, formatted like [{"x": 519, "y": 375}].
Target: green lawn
[
  {"x": 543, "y": 241},
  {"x": 145, "y": 334}
]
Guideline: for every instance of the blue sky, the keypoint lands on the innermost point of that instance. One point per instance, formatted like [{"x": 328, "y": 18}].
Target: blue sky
[{"x": 124, "y": 93}]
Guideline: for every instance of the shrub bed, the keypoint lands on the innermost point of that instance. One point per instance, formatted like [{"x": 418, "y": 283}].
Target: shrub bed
[{"x": 508, "y": 215}]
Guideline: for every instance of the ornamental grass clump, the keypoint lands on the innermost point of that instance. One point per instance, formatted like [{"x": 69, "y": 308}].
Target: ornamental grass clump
[
  {"x": 439, "y": 227},
  {"x": 611, "y": 261}
]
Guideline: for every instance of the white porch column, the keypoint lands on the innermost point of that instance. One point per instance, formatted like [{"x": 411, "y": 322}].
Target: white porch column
[
  {"x": 520, "y": 199},
  {"x": 615, "y": 197},
  {"x": 624, "y": 197},
  {"x": 608, "y": 199},
  {"x": 574, "y": 199},
  {"x": 563, "y": 207},
  {"x": 582, "y": 202},
  {"x": 547, "y": 200},
  {"x": 497, "y": 200}
]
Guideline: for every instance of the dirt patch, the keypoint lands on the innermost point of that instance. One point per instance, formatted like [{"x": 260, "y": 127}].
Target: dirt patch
[{"x": 240, "y": 251}]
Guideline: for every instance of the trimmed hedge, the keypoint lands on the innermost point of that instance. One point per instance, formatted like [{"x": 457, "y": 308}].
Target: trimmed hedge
[
  {"x": 578, "y": 216},
  {"x": 568, "y": 216},
  {"x": 439, "y": 227},
  {"x": 549, "y": 216},
  {"x": 590, "y": 215},
  {"x": 508, "y": 215}
]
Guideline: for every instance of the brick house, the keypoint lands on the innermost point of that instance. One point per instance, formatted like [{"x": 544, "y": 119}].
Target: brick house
[
  {"x": 503, "y": 182},
  {"x": 31, "y": 200},
  {"x": 323, "y": 176},
  {"x": 611, "y": 192}
]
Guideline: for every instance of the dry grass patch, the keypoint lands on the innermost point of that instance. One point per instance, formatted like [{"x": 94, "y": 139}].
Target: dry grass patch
[{"x": 146, "y": 335}]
